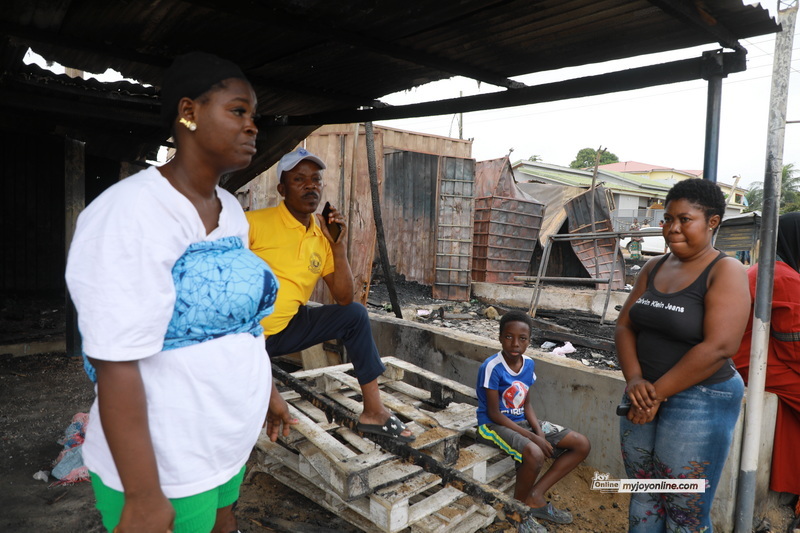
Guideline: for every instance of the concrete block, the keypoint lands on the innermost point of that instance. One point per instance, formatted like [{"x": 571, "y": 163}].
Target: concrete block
[
  {"x": 723, "y": 513},
  {"x": 555, "y": 298}
]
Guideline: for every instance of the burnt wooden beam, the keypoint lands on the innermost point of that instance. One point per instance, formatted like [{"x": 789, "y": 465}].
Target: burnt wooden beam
[
  {"x": 694, "y": 14},
  {"x": 94, "y": 106},
  {"x": 624, "y": 80},
  {"x": 308, "y": 25},
  {"x": 271, "y": 145},
  {"x": 31, "y": 37},
  {"x": 515, "y": 510},
  {"x": 574, "y": 338}
]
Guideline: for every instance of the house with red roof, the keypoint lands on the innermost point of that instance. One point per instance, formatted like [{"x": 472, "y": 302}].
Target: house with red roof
[{"x": 674, "y": 175}]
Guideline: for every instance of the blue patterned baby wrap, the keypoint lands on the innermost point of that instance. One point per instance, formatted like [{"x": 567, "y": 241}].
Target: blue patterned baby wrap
[{"x": 221, "y": 288}]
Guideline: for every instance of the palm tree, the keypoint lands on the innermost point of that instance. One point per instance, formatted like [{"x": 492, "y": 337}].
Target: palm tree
[
  {"x": 790, "y": 186},
  {"x": 754, "y": 197},
  {"x": 790, "y": 191}
]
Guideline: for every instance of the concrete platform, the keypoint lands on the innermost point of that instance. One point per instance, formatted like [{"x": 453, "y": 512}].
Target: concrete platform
[
  {"x": 551, "y": 297},
  {"x": 569, "y": 393}
]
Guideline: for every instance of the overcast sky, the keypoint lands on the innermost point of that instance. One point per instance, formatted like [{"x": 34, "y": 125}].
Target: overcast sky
[{"x": 662, "y": 125}]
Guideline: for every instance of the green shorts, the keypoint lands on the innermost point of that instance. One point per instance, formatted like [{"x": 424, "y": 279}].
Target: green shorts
[{"x": 193, "y": 514}]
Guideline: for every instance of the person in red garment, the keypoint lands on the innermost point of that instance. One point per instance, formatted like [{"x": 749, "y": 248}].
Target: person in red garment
[{"x": 783, "y": 356}]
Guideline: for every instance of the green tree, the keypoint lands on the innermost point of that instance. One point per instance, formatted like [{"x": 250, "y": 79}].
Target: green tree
[
  {"x": 754, "y": 197},
  {"x": 535, "y": 158},
  {"x": 790, "y": 191},
  {"x": 586, "y": 157}
]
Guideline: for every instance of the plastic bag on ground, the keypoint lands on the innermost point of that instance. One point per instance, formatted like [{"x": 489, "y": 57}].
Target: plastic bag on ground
[{"x": 563, "y": 350}]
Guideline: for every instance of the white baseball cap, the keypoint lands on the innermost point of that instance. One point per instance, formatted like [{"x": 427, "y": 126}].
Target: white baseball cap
[{"x": 290, "y": 160}]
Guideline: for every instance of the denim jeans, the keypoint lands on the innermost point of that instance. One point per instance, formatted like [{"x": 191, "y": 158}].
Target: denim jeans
[
  {"x": 689, "y": 438},
  {"x": 313, "y": 325}
]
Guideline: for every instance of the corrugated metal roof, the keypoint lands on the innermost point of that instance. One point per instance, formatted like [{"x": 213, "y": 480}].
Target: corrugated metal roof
[{"x": 311, "y": 56}]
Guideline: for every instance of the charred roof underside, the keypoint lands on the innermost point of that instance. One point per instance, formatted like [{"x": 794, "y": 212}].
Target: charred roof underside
[{"x": 316, "y": 61}]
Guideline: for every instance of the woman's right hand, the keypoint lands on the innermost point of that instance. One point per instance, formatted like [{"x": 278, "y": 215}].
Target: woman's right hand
[
  {"x": 151, "y": 513},
  {"x": 642, "y": 394}
]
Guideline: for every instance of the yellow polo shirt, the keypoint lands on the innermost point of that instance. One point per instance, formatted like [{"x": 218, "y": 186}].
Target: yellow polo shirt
[{"x": 298, "y": 257}]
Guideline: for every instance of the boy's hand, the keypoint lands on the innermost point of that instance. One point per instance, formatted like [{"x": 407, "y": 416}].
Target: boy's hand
[{"x": 542, "y": 443}]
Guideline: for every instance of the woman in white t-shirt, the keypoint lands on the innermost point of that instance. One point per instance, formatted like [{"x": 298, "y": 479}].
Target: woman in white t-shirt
[{"x": 169, "y": 300}]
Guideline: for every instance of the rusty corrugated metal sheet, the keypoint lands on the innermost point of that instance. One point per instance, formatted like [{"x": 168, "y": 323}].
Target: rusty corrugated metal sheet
[
  {"x": 496, "y": 178},
  {"x": 596, "y": 255},
  {"x": 555, "y": 197},
  {"x": 328, "y": 52},
  {"x": 429, "y": 201},
  {"x": 456, "y": 207},
  {"x": 506, "y": 232},
  {"x": 312, "y": 57}
]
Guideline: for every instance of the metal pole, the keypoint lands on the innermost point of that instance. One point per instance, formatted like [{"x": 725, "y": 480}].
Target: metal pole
[
  {"x": 712, "y": 65},
  {"x": 762, "y": 307},
  {"x": 74, "y": 203},
  {"x": 597, "y": 155}
]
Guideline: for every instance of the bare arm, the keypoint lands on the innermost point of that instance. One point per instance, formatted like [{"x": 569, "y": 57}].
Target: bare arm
[
  {"x": 123, "y": 411},
  {"x": 493, "y": 410},
  {"x": 279, "y": 421},
  {"x": 533, "y": 420},
  {"x": 640, "y": 391},
  {"x": 727, "y": 308},
  {"x": 340, "y": 281}
]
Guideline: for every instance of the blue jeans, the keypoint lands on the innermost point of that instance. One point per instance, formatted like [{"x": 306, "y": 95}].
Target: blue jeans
[
  {"x": 689, "y": 438},
  {"x": 313, "y": 325}
]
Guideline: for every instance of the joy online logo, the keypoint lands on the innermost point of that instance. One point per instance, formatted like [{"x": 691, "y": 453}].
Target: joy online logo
[{"x": 603, "y": 483}]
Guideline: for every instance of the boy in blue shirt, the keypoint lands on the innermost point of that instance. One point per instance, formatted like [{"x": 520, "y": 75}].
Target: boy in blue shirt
[{"x": 506, "y": 419}]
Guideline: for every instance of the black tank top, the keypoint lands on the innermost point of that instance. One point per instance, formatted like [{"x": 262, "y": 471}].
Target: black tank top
[{"x": 669, "y": 325}]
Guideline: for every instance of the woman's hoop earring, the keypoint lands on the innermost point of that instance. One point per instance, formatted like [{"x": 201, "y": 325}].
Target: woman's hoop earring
[{"x": 191, "y": 126}]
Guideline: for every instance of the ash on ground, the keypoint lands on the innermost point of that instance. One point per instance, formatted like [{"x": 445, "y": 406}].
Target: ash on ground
[{"x": 417, "y": 303}]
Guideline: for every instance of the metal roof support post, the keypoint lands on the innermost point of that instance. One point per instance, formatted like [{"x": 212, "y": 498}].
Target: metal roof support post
[
  {"x": 74, "y": 203},
  {"x": 542, "y": 272},
  {"x": 713, "y": 72},
  {"x": 762, "y": 307}
]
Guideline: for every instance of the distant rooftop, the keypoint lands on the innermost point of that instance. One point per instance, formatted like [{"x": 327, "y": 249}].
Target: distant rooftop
[{"x": 637, "y": 167}]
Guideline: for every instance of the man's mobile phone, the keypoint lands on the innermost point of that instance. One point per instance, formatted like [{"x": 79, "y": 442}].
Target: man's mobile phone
[
  {"x": 622, "y": 409},
  {"x": 334, "y": 228}
]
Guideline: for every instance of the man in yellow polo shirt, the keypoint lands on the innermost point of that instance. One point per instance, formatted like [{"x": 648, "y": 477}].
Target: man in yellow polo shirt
[{"x": 297, "y": 245}]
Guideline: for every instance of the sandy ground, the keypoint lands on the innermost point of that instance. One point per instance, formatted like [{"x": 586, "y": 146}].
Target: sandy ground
[{"x": 41, "y": 393}]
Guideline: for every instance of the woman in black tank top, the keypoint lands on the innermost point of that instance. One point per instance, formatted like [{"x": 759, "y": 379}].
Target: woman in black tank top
[{"x": 675, "y": 334}]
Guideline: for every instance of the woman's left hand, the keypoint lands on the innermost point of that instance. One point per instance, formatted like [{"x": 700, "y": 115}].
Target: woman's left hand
[
  {"x": 279, "y": 421},
  {"x": 637, "y": 415},
  {"x": 642, "y": 394}
]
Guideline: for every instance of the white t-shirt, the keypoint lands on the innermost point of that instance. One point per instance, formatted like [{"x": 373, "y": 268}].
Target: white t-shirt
[{"x": 206, "y": 402}]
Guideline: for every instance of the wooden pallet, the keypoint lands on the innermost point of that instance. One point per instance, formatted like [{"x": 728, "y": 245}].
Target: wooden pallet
[{"x": 373, "y": 489}]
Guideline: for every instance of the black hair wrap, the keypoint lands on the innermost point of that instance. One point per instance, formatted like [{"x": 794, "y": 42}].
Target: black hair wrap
[
  {"x": 788, "y": 247},
  {"x": 190, "y": 76}
]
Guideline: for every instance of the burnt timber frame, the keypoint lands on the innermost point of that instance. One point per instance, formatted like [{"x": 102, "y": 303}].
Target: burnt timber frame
[{"x": 515, "y": 511}]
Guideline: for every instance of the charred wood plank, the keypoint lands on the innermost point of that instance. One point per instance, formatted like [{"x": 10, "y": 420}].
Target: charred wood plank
[
  {"x": 597, "y": 344},
  {"x": 515, "y": 511}
]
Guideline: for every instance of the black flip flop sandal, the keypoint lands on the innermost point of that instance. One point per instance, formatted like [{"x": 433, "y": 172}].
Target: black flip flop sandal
[{"x": 392, "y": 428}]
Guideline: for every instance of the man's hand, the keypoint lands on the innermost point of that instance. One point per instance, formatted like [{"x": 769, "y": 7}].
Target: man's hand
[{"x": 334, "y": 216}]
